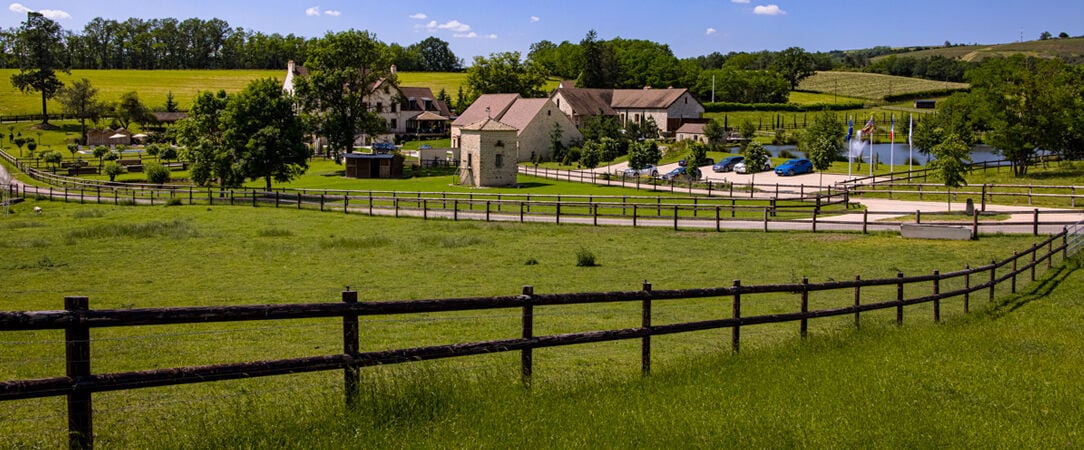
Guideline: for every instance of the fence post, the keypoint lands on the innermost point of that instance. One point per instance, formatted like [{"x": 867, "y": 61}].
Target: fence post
[
  {"x": 1012, "y": 285},
  {"x": 455, "y": 210},
  {"x": 865, "y": 221},
  {"x": 993, "y": 277},
  {"x": 521, "y": 212},
  {"x": 718, "y": 226},
  {"x": 967, "y": 288},
  {"x": 814, "y": 220},
  {"x": 899, "y": 298},
  {"x": 487, "y": 210},
  {"x": 77, "y": 359},
  {"x": 1035, "y": 223},
  {"x": 351, "y": 374},
  {"x": 558, "y": 212},
  {"x": 526, "y": 360},
  {"x": 395, "y": 206},
  {"x": 675, "y": 217},
  {"x": 804, "y": 330},
  {"x": 634, "y": 208},
  {"x": 937, "y": 294},
  {"x": 975, "y": 226},
  {"x": 1049, "y": 253},
  {"x": 982, "y": 205},
  {"x": 765, "y": 220},
  {"x": 857, "y": 300},
  {"x": 735, "y": 332},
  {"x": 645, "y": 322},
  {"x": 425, "y": 209},
  {"x": 1034, "y": 250},
  {"x": 594, "y": 213}
]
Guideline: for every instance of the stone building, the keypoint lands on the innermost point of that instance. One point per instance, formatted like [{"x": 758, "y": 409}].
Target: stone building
[
  {"x": 487, "y": 156},
  {"x": 669, "y": 108},
  {"x": 533, "y": 118}
]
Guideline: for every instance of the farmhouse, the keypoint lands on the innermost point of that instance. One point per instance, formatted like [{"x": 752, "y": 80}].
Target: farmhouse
[
  {"x": 533, "y": 118},
  {"x": 691, "y": 132},
  {"x": 669, "y": 108},
  {"x": 411, "y": 111}
]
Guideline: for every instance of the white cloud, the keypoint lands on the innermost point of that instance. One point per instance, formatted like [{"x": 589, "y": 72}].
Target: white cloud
[
  {"x": 333, "y": 13},
  {"x": 452, "y": 25},
  {"x": 419, "y": 16},
  {"x": 470, "y": 35},
  {"x": 491, "y": 36},
  {"x": 535, "y": 19},
  {"x": 54, "y": 14},
  {"x": 740, "y": 1},
  {"x": 314, "y": 11},
  {"x": 769, "y": 10},
  {"x": 711, "y": 31}
]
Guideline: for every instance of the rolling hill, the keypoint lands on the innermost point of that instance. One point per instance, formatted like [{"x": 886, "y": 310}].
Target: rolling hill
[
  {"x": 872, "y": 86},
  {"x": 1069, "y": 49}
]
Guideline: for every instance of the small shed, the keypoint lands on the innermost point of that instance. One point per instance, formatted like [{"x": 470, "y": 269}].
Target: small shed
[{"x": 374, "y": 165}]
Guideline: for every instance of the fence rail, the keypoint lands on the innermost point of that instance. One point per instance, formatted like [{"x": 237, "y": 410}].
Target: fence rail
[{"x": 77, "y": 320}]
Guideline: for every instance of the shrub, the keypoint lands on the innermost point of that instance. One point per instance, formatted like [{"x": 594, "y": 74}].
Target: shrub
[
  {"x": 174, "y": 202},
  {"x": 112, "y": 169},
  {"x": 156, "y": 173},
  {"x": 585, "y": 258},
  {"x": 531, "y": 262}
]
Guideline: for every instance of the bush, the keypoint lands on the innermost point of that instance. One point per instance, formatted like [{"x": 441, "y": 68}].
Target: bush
[
  {"x": 585, "y": 258},
  {"x": 112, "y": 169},
  {"x": 156, "y": 173},
  {"x": 779, "y": 107}
]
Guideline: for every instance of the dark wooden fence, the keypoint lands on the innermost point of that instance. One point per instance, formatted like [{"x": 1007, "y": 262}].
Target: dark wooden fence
[{"x": 78, "y": 319}]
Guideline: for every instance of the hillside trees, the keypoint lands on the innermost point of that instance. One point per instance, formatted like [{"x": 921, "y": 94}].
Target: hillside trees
[
  {"x": 504, "y": 73},
  {"x": 40, "y": 52},
  {"x": 741, "y": 86},
  {"x": 794, "y": 64},
  {"x": 344, "y": 69}
]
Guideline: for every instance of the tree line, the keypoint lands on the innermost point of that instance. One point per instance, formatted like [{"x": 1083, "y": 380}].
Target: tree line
[{"x": 172, "y": 44}]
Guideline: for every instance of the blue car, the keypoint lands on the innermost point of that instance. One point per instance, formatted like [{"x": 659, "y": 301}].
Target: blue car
[
  {"x": 727, "y": 164},
  {"x": 794, "y": 167}
]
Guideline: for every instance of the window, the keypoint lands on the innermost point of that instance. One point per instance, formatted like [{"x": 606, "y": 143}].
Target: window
[
  {"x": 379, "y": 107},
  {"x": 549, "y": 112},
  {"x": 470, "y": 159},
  {"x": 395, "y": 124},
  {"x": 499, "y": 161}
]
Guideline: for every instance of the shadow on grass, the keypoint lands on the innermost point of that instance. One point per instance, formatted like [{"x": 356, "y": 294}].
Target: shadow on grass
[{"x": 1038, "y": 290}]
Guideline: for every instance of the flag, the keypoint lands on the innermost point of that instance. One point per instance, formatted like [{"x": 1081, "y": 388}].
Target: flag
[
  {"x": 850, "y": 129},
  {"x": 869, "y": 126},
  {"x": 911, "y": 130},
  {"x": 892, "y": 129}
]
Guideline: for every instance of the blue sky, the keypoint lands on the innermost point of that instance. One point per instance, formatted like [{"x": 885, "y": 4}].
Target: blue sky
[{"x": 690, "y": 27}]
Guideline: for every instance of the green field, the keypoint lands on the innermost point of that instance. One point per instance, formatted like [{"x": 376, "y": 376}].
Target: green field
[
  {"x": 124, "y": 257},
  {"x": 871, "y": 86},
  {"x": 1071, "y": 49},
  {"x": 153, "y": 85}
]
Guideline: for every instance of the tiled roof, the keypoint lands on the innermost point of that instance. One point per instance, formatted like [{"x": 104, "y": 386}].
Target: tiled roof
[
  {"x": 523, "y": 111},
  {"x": 497, "y": 104},
  {"x": 589, "y": 102},
  {"x": 489, "y": 125},
  {"x": 691, "y": 128},
  {"x": 605, "y": 101},
  {"x": 646, "y": 98}
]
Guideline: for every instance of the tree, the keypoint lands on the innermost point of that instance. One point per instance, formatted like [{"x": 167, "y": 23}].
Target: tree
[
  {"x": 112, "y": 169},
  {"x": 794, "y": 64},
  {"x": 643, "y": 153},
  {"x": 557, "y": 146},
  {"x": 756, "y": 156},
  {"x": 72, "y": 148},
  {"x": 130, "y": 109},
  {"x": 1045, "y": 35},
  {"x": 1063, "y": 35},
  {"x": 156, "y": 173},
  {"x": 40, "y": 52},
  {"x": 823, "y": 141},
  {"x": 344, "y": 69},
  {"x": 748, "y": 131},
  {"x": 19, "y": 142},
  {"x": 264, "y": 134},
  {"x": 698, "y": 154},
  {"x": 951, "y": 157},
  {"x": 591, "y": 154},
  {"x": 598, "y": 126},
  {"x": 171, "y": 105},
  {"x": 714, "y": 131},
  {"x": 599, "y": 67},
  {"x": 436, "y": 56},
  {"x": 79, "y": 100},
  {"x": 504, "y": 73},
  {"x": 201, "y": 135},
  {"x": 53, "y": 159},
  {"x": 100, "y": 152}
]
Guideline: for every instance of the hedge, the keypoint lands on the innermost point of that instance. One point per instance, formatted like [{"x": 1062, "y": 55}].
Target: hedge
[{"x": 786, "y": 107}]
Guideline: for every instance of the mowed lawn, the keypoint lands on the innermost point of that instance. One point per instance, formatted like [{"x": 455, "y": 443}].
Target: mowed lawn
[{"x": 124, "y": 257}]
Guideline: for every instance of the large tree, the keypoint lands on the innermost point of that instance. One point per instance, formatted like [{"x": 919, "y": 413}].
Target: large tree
[
  {"x": 130, "y": 110},
  {"x": 260, "y": 127},
  {"x": 794, "y": 64},
  {"x": 436, "y": 56},
  {"x": 201, "y": 136},
  {"x": 344, "y": 69},
  {"x": 505, "y": 73},
  {"x": 823, "y": 141},
  {"x": 40, "y": 53},
  {"x": 600, "y": 68},
  {"x": 80, "y": 100}
]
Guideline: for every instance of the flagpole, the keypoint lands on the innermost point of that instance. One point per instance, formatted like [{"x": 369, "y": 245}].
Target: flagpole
[
  {"x": 910, "y": 143},
  {"x": 892, "y": 146},
  {"x": 871, "y": 146},
  {"x": 850, "y": 145}
]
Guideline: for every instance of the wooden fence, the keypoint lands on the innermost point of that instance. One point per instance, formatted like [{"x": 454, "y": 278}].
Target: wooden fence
[{"x": 77, "y": 320}]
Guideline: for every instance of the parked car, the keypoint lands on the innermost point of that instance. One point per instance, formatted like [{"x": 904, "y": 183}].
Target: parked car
[
  {"x": 727, "y": 164},
  {"x": 648, "y": 170},
  {"x": 708, "y": 162},
  {"x": 794, "y": 167},
  {"x": 740, "y": 167},
  {"x": 675, "y": 174}
]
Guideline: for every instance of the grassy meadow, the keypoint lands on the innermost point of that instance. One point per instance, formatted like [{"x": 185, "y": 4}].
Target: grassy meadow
[
  {"x": 838, "y": 386},
  {"x": 1071, "y": 48}
]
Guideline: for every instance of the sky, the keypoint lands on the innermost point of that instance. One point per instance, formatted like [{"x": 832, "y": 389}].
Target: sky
[{"x": 690, "y": 27}]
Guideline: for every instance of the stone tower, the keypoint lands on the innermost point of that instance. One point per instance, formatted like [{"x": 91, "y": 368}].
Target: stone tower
[{"x": 487, "y": 156}]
